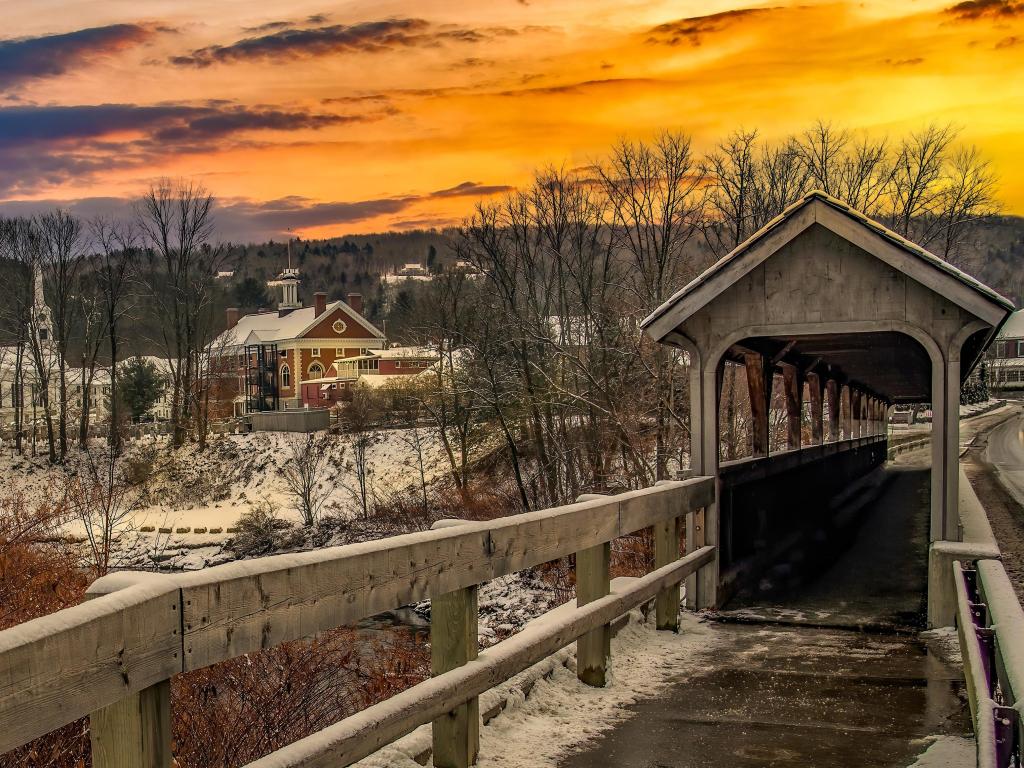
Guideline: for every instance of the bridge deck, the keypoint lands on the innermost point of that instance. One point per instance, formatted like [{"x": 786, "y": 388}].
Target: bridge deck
[
  {"x": 784, "y": 693},
  {"x": 878, "y": 582}
]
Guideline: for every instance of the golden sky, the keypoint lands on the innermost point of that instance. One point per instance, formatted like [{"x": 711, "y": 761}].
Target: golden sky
[{"x": 326, "y": 118}]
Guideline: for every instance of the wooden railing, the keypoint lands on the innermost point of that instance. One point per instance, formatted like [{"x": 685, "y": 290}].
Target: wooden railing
[
  {"x": 112, "y": 657},
  {"x": 990, "y": 625}
]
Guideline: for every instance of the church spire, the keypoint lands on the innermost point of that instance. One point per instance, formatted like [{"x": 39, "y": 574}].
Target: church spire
[{"x": 42, "y": 319}]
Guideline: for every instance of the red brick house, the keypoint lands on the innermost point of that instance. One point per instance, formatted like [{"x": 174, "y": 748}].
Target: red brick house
[{"x": 274, "y": 353}]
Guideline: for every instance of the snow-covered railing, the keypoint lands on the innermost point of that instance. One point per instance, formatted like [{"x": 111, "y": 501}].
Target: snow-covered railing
[
  {"x": 990, "y": 625},
  {"x": 112, "y": 657}
]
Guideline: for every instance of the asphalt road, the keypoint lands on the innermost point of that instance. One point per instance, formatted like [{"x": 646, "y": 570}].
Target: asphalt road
[
  {"x": 1005, "y": 453},
  {"x": 994, "y": 464}
]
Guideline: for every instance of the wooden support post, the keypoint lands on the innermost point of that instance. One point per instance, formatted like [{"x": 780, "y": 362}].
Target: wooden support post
[
  {"x": 759, "y": 387},
  {"x": 134, "y": 732},
  {"x": 817, "y": 410},
  {"x": 593, "y": 582},
  {"x": 793, "y": 385},
  {"x": 847, "y": 408},
  {"x": 453, "y": 642},
  {"x": 832, "y": 396},
  {"x": 666, "y": 551}
]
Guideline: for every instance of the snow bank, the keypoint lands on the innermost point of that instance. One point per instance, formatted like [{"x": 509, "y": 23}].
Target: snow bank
[{"x": 561, "y": 714}]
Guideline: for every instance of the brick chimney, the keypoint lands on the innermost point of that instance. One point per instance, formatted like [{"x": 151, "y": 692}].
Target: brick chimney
[
  {"x": 355, "y": 300},
  {"x": 319, "y": 303},
  {"x": 232, "y": 317}
]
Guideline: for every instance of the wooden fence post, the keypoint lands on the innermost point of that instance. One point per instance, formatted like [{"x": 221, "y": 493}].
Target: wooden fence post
[
  {"x": 666, "y": 550},
  {"x": 134, "y": 732},
  {"x": 592, "y": 583},
  {"x": 453, "y": 642}
]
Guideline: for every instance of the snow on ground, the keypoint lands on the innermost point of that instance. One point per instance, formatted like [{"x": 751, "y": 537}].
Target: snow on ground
[
  {"x": 948, "y": 752},
  {"x": 561, "y": 714}
]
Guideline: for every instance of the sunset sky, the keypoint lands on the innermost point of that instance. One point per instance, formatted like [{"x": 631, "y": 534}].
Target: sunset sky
[{"x": 326, "y": 118}]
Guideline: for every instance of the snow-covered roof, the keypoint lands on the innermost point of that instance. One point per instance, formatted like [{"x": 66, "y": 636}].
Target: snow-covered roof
[
  {"x": 1014, "y": 326},
  {"x": 403, "y": 353},
  {"x": 264, "y": 327}
]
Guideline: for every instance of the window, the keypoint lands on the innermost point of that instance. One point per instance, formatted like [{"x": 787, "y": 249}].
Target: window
[
  {"x": 398, "y": 363},
  {"x": 339, "y": 352},
  {"x": 316, "y": 371},
  {"x": 1000, "y": 349},
  {"x": 315, "y": 351},
  {"x": 339, "y": 327},
  {"x": 1020, "y": 349},
  {"x": 286, "y": 376}
]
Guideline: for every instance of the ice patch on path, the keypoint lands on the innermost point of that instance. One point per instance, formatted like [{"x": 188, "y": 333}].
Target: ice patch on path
[
  {"x": 562, "y": 714},
  {"x": 947, "y": 752}
]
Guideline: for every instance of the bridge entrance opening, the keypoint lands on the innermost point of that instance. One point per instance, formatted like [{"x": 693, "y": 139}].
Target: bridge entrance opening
[{"x": 800, "y": 341}]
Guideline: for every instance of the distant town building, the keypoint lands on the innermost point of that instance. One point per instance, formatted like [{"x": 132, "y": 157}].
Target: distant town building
[
  {"x": 376, "y": 368},
  {"x": 272, "y": 354},
  {"x": 1005, "y": 367}
]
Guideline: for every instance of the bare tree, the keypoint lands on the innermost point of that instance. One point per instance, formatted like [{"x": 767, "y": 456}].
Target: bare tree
[
  {"x": 360, "y": 420},
  {"x": 967, "y": 197},
  {"x": 115, "y": 265},
  {"x": 176, "y": 220},
  {"x": 105, "y": 496},
  {"x": 62, "y": 254},
  {"x": 309, "y": 457}
]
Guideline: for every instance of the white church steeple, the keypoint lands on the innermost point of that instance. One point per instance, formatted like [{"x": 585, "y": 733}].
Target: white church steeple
[{"x": 42, "y": 319}]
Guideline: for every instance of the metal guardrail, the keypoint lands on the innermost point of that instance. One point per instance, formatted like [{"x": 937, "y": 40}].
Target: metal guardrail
[
  {"x": 112, "y": 657},
  {"x": 990, "y": 626}
]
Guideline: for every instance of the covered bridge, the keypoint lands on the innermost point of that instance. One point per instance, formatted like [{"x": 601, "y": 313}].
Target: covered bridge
[{"x": 853, "y": 315}]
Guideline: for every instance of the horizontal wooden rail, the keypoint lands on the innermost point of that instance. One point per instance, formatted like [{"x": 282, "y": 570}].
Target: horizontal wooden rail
[
  {"x": 762, "y": 467},
  {"x": 58, "y": 668},
  {"x": 364, "y": 733}
]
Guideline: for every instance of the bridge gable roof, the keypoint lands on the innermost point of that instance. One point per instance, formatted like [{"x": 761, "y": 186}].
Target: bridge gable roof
[{"x": 872, "y": 237}]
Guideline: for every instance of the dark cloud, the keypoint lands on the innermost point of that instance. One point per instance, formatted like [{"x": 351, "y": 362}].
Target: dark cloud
[
  {"x": 275, "y": 26},
  {"x": 50, "y": 55},
  {"x": 577, "y": 88},
  {"x": 912, "y": 62},
  {"x": 1009, "y": 42},
  {"x": 471, "y": 189},
  {"x": 43, "y": 145},
  {"x": 254, "y": 221},
  {"x": 294, "y": 42},
  {"x": 691, "y": 30},
  {"x": 970, "y": 10},
  {"x": 20, "y": 125}
]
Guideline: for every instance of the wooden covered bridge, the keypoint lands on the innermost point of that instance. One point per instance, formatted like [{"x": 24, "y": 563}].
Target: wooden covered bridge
[{"x": 851, "y": 319}]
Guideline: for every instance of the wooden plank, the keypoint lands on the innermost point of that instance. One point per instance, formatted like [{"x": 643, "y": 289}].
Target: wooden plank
[
  {"x": 453, "y": 642},
  {"x": 134, "y": 732},
  {"x": 245, "y": 606},
  {"x": 793, "y": 387},
  {"x": 593, "y": 581},
  {"x": 61, "y": 667},
  {"x": 816, "y": 408},
  {"x": 666, "y": 551},
  {"x": 361, "y": 735},
  {"x": 832, "y": 397},
  {"x": 644, "y": 508},
  {"x": 759, "y": 389}
]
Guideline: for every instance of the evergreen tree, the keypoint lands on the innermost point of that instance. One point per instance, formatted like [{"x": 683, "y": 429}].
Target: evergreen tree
[{"x": 140, "y": 386}]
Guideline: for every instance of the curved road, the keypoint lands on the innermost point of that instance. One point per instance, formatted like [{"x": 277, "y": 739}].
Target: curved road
[
  {"x": 1005, "y": 452},
  {"x": 994, "y": 463}
]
